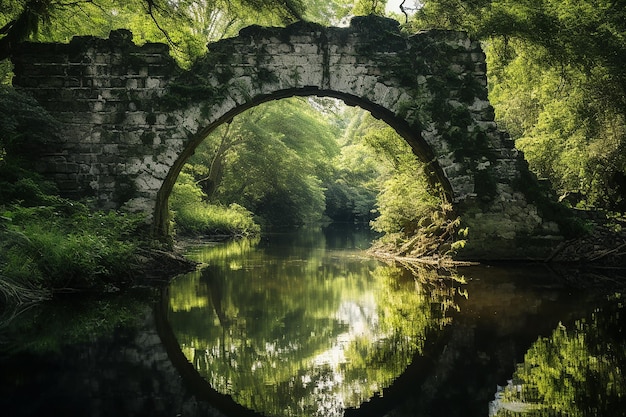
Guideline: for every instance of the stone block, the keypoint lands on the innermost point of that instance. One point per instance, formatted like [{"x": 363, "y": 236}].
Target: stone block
[
  {"x": 131, "y": 83},
  {"x": 111, "y": 148},
  {"x": 116, "y": 82},
  {"x": 98, "y": 82},
  {"x": 102, "y": 59},
  {"x": 49, "y": 69},
  {"x": 137, "y": 118},
  {"x": 153, "y": 82},
  {"x": 159, "y": 70},
  {"x": 156, "y": 49}
]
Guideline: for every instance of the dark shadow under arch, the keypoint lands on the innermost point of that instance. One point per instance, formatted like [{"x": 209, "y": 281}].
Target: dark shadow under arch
[{"x": 414, "y": 138}]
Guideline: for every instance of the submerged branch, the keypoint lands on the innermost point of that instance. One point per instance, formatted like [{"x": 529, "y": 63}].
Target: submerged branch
[
  {"x": 440, "y": 262},
  {"x": 17, "y": 298}
]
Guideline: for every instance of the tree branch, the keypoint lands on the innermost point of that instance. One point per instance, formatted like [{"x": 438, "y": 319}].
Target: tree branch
[
  {"x": 151, "y": 7},
  {"x": 406, "y": 15}
]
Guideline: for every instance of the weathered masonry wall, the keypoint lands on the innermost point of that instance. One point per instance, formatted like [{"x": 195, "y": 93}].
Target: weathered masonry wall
[
  {"x": 104, "y": 92},
  {"x": 131, "y": 117}
]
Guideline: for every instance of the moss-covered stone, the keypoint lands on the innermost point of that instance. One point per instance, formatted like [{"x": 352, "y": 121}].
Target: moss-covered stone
[
  {"x": 548, "y": 206},
  {"x": 429, "y": 86}
]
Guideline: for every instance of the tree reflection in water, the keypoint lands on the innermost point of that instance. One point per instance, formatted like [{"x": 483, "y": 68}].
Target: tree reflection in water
[
  {"x": 577, "y": 371},
  {"x": 303, "y": 331}
]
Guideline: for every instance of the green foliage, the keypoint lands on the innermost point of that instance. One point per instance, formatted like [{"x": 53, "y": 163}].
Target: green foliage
[
  {"x": 18, "y": 185},
  {"x": 272, "y": 159},
  {"x": 349, "y": 198},
  {"x": 289, "y": 163},
  {"x": 412, "y": 214},
  {"x": 405, "y": 196},
  {"x": 567, "y": 134},
  {"x": 369, "y": 7},
  {"x": 370, "y": 151},
  {"x": 6, "y": 72},
  {"x": 215, "y": 220},
  {"x": 351, "y": 191},
  {"x": 192, "y": 216},
  {"x": 328, "y": 13},
  {"x": 187, "y": 25},
  {"x": 558, "y": 84},
  {"x": 576, "y": 371},
  {"x": 404, "y": 200},
  {"x": 67, "y": 246}
]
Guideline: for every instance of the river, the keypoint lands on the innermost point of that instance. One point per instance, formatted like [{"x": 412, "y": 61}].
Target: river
[{"x": 306, "y": 324}]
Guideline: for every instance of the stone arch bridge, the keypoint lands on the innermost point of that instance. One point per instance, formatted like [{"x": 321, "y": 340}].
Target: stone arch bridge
[{"x": 131, "y": 116}]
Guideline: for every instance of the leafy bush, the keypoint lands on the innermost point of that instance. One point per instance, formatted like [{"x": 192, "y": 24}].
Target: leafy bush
[
  {"x": 68, "y": 246},
  {"x": 438, "y": 236},
  {"x": 403, "y": 202},
  {"x": 207, "y": 219},
  {"x": 192, "y": 216}
]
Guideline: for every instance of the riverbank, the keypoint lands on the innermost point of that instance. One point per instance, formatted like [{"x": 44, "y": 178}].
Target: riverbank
[
  {"x": 65, "y": 247},
  {"x": 160, "y": 266},
  {"x": 604, "y": 245},
  {"x": 68, "y": 248},
  {"x": 152, "y": 268},
  {"x": 596, "y": 259}
]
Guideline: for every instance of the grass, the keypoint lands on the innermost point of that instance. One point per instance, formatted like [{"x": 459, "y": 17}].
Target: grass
[
  {"x": 67, "y": 246},
  {"x": 192, "y": 215},
  {"x": 200, "y": 218}
]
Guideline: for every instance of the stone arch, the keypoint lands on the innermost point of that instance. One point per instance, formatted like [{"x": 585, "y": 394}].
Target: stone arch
[
  {"x": 130, "y": 115},
  {"x": 402, "y": 80}
]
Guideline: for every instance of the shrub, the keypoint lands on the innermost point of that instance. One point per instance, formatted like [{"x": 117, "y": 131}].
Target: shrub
[
  {"x": 404, "y": 201},
  {"x": 201, "y": 218},
  {"x": 68, "y": 246},
  {"x": 192, "y": 216}
]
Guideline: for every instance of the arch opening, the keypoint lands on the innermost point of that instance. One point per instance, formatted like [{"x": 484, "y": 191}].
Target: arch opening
[{"x": 420, "y": 148}]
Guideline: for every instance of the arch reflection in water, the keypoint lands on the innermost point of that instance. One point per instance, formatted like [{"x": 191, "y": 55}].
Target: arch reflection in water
[
  {"x": 576, "y": 371},
  {"x": 293, "y": 330}
]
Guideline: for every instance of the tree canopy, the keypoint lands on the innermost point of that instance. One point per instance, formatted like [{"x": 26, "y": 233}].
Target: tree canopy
[
  {"x": 558, "y": 85},
  {"x": 273, "y": 160},
  {"x": 186, "y": 24}
]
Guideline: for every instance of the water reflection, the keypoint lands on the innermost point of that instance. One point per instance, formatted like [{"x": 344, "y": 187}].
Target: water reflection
[
  {"x": 563, "y": 350},
  {"x": 90, "y": 355},
  {"x": 299, "y": 329},
  {"x": 576, "y": 371}
]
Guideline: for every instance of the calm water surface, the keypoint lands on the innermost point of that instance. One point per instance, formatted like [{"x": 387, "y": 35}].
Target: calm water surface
[
  {"x": 293, "y": 325},
  {"x": 306, "y": 324}
]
